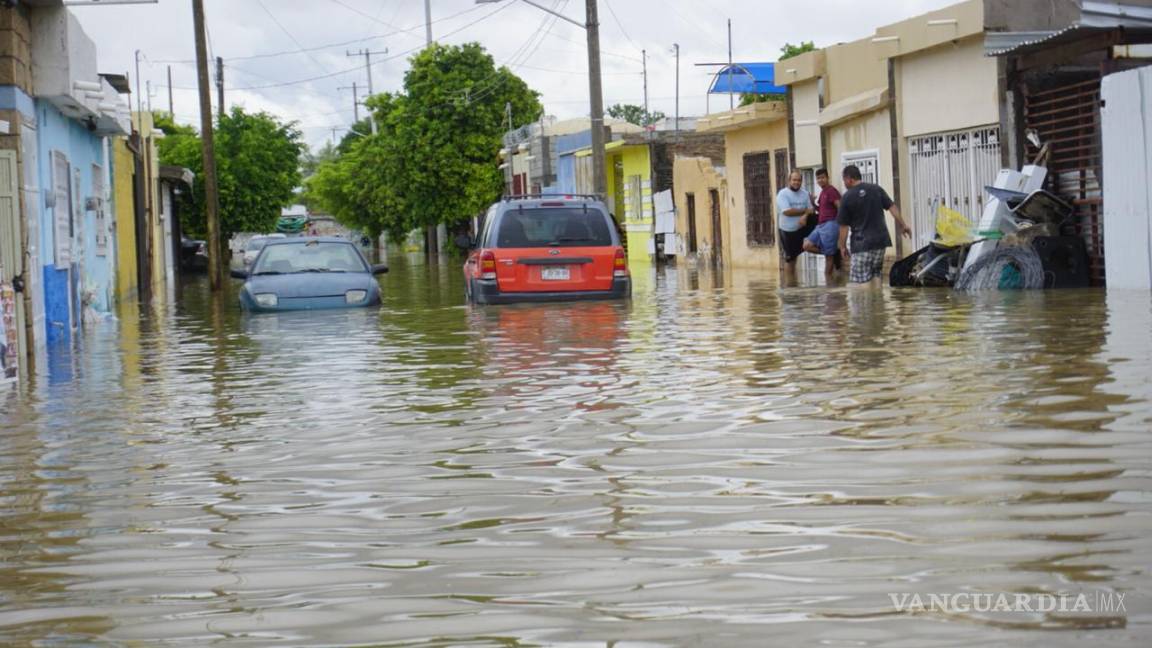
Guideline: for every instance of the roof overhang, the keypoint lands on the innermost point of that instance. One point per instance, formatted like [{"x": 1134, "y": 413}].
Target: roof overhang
[
  {"x": 756, "y": 114},
  {"x": 853, "y": 107},
  {"x": 1127, "y": 20},
  {"x": 177, "y": 174}
]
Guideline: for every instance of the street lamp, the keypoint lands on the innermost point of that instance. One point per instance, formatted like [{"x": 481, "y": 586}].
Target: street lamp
[{"x": 596, "y": 97}]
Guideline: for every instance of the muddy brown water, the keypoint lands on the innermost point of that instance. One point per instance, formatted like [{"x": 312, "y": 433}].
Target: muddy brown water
[{"x": 719, "y": 462}]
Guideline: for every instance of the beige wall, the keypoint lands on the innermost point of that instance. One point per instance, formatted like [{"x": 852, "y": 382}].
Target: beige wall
[
  {"x": 754, "y": 139},
  {"x": 853, "y": 68},
  {"x": 806, "y": 110},
  {"x": 697, "y": 175},
  {"x": 947, "y": 88},
  {"x": 871, "y": 131}
]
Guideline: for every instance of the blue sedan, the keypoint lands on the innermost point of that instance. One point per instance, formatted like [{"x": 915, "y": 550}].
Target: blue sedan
[{"x": 309, "y": 273}]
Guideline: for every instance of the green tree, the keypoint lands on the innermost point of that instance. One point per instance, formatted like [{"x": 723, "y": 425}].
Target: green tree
[
  {"x": 257, "y": 170},
  {"x": 786, "y": 52},
  {"x": 433, "y": 158},
  {"x": 634, "y": 114}
]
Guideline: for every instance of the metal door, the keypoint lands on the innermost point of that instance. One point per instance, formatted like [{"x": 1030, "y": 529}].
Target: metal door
[
  {"x": 11, "y": 250},
  {"x": 950, "y": 169},
  {"x": 717, "y": 233},
  {"x": 1068, "y": 118},
  {"x": 693, "y": 246},
  {"x": 758, "y": 201}
]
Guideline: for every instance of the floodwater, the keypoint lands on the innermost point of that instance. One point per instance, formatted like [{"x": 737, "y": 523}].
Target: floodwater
[{"x": 719, "y": 462}]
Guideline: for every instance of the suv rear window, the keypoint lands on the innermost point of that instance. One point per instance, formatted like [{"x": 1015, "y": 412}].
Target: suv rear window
[{"x": 554, "y": 227}]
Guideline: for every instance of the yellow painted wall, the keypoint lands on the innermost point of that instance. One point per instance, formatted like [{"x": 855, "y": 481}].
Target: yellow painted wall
[
  {"x": 753, "y": 139},
  {"x": 634, "y": 160},
  {"x": 124, "y": 204},
  {"x": 806, "y": 112},
  {"x": 696, "y": 176}
]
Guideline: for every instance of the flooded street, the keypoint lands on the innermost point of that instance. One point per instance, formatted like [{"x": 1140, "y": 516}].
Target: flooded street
[{"x": 719, "y": 462}]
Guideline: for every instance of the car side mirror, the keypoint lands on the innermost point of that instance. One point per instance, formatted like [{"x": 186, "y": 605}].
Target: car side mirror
[
  {"x": 465, "y": 241},
  {"x": 379, "y": 268},
  {"x": 239, "y": 274}
]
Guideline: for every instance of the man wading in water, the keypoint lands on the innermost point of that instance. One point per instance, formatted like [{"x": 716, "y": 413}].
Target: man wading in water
[{"x": 862, "y": 213}]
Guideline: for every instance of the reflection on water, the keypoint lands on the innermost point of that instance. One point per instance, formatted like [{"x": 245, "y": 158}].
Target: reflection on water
[{"x": 716, "y": 455}]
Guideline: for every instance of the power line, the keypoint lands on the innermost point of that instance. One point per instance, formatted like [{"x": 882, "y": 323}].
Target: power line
[
  {"x": 288, "y": 33},
  {"x": 486, "y": 16},
  {"x": 331, "y": 45},
  {"x": 612, "y": 11}
]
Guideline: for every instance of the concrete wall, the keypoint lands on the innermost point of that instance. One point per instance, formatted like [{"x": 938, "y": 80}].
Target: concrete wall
[
  {"x": 637, "y": 224},
  {"x": 853, "y": 68},
  {"x": 88, "y": 280},
  {"x": 805, "y": 112},
  {"x": 697, "y": 176},
  {"x": 124, "y": 202},
  {"x": 754, "y": 139},
  {"x": 947, "y": 88}
]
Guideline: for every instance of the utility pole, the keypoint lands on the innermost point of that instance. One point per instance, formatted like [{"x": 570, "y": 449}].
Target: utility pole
[
  {"x": 731, "y": 97},
  {"x": 211, "y": 195},
  {"x": 428, "y": 22},
  {"x": 149, "y": 87},
  {"x": 368, "y": 66},
  {"x": 171, "y": 105},
  {"x": 220, "y": 85},
  {"x": 599, "y": 171},
  {"x": 355, "y": 100},
  {"x": 644, "y": 62},
  {"x": 676, "y": 46}
]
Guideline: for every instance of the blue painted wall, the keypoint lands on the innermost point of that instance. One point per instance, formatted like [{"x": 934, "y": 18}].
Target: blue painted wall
[
  {"x": 83, "y": 149},
  {"x": 566, "y": 173}
]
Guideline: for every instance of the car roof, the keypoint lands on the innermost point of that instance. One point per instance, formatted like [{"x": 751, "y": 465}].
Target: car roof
[
  {"x": 544, "y": 201},
  {"x": 299, "y": 240}
]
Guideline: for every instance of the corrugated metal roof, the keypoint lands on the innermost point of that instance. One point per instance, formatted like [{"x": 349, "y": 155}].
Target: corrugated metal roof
[{"x": 1094, "y": 16}]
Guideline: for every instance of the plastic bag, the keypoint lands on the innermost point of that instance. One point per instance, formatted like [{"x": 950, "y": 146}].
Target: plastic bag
[{"x": 952, "y": 229}]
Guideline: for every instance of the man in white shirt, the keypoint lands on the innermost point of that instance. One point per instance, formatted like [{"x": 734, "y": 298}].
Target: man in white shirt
[{"x": 795, "y": 208}]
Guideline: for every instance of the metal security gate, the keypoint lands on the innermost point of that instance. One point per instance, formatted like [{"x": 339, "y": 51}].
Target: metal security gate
[
  {"x": 1068, "y": 119},
  {"x": 758, "y": 199},
  {"x": 950, "y": 169}
]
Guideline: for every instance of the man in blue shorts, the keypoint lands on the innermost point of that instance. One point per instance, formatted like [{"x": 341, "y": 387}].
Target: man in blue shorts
[{"x": 825, "y": 238}]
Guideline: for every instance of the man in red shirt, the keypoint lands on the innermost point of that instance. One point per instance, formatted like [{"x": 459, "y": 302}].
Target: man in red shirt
[{"x": 825, "y": 238}]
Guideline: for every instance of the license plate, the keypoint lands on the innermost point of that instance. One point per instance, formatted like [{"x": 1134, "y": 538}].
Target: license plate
[{"x": 557, "y": 273}]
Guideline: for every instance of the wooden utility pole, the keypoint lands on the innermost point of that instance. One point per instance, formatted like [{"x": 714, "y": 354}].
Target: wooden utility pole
[
  {"x": 220, "y": 85},
  {"x": 211, "y": 192},
  {"x": 599, "y": 166}
]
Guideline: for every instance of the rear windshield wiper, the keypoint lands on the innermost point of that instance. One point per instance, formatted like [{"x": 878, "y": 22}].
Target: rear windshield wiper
[{"x": 320, "y": 270}]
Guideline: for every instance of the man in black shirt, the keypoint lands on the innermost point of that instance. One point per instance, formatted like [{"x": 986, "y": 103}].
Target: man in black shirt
[{"x": 862, "y": 213}]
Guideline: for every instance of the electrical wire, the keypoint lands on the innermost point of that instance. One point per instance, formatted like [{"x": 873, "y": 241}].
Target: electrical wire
[
  {"x": 289, "y": 34},
  {"x": 608, "y": 3}
]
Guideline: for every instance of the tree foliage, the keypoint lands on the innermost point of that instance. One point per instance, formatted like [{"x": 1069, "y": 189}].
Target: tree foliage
[
  {"x": 634, "y": 114},
  {"x": 257, "y": 170},
  {"x": 786, "y": 52},
  {"x": 434, "y": 156}
]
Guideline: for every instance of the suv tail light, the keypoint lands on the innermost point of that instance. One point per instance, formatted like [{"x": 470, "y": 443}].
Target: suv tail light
[
  {"x": 619, "y": 265},
  {"x": 488, "y": 265}
]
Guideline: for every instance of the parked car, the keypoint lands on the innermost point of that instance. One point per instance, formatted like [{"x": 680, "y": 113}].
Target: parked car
[
  {"x": 193, "y": 254},
  {"x": 309, "y": 273},
  {"x": 255, "y": 244},
  {"x": 542, "y": 248}
]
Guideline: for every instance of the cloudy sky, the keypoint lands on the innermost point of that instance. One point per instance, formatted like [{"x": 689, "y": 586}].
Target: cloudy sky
[{"x": 290, "y": 57}]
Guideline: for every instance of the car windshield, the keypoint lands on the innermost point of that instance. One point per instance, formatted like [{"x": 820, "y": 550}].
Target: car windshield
[
  {"x": 554, "y": 227},
  {"x": 255, "y": 244},
  {"x": 313, "y": 256}
]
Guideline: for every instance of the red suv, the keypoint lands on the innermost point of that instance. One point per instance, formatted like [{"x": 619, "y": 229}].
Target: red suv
[{"x": 544, "y": 248}]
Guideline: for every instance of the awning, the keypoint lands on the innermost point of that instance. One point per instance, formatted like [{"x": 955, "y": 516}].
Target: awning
[
  {"x": 854, "y": 106},
  {"x": 746, "y": 78}
]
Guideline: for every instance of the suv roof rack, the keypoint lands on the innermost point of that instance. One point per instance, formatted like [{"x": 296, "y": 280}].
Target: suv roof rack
[{"x": 511, "y": 197}]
